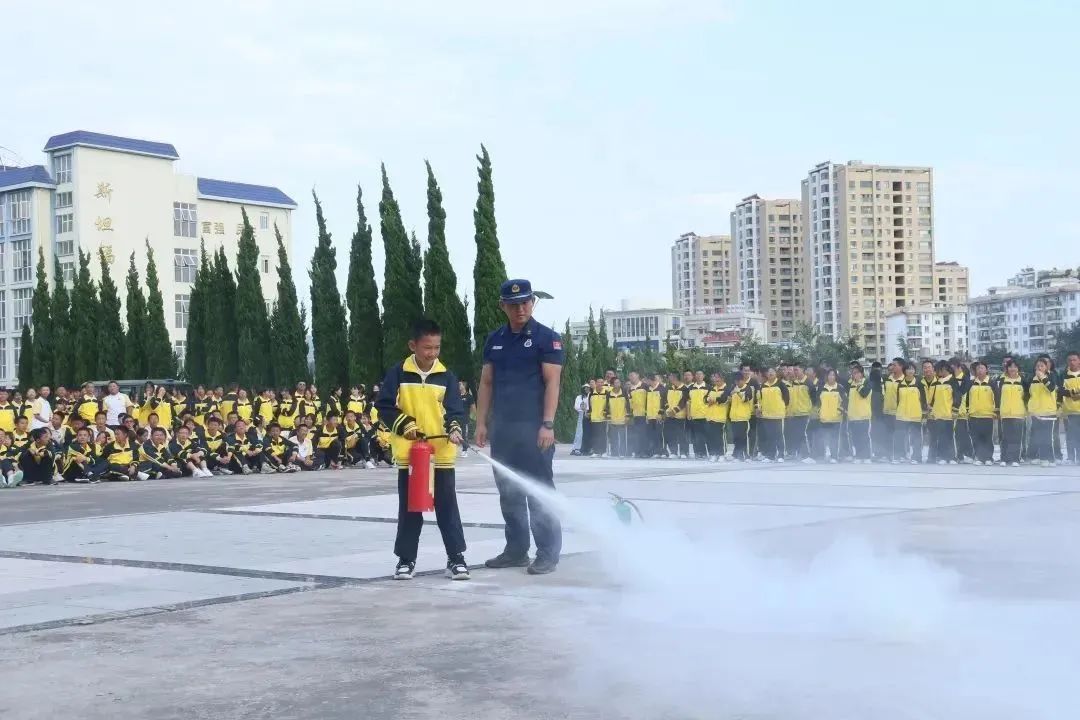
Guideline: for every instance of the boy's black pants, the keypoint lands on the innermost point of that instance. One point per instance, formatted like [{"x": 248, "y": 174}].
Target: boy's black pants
[
  {"x": 830, "y": 438},
  {"x": 859, "y": 437},
  {"x": 715, "y": 439},
  {"x": 699, "y": 436},
  {"x": 1072, "y": 437},
  {"x": 446, "y": 515},
  {"x": 795, "y": 436},
  {"x": 617, "y": 435},
  {"x": 654, "y": 438},
  {"x": 675, "y": 434},
  {"x": 740, "y": 438},
  {"x": 982, "y": 438},
  {"x": 771, "y": 437},
  {"x": 1012, "y": 439}
]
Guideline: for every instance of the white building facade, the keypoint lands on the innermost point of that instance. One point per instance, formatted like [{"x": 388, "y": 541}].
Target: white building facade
[
  {"x": 938, "y": 331},
  {"x": 113, "y": 194},
  {"x": 1022, "y": 320}
]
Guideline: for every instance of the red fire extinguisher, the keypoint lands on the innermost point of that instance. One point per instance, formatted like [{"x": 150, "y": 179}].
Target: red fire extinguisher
[{"x": 421, "y": 489}]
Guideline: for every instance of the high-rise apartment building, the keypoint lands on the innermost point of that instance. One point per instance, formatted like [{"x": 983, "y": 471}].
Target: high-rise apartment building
[
  {"x": 702, "y": 273},
  {"x": 768, "y": 252},
  {"x": 950, "y": 283},
  {"x": 1022, "y": 320},
  {"x": 869, "y": 247}
]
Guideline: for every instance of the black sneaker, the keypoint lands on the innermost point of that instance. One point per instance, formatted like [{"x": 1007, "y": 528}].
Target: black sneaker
[
  {"x": 456, "y": 569},
  {"x": 542, "y": 566},
  {"x": 506, "y": 560},
  {"x": 404, "y": 570}
]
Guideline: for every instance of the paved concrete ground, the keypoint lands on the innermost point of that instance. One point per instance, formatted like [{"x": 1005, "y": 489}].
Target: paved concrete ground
[{"x": 751, "y": 592}]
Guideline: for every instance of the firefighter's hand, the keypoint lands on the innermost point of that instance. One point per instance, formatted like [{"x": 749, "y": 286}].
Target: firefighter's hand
[
  {"x": 411, "y": 434},
  {"x": 455, "y": 437},
  {"x": 545, "y": 438},
  {"x": 481, "y": 435}
]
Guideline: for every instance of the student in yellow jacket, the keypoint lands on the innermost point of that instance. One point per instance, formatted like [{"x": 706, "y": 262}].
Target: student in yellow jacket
[
  {"x": 981, "y": 402},
  {"x": 638, "y": 395},
  {"x": 618, "y": 417},
  {"x": 717, "y": 416},
  {"x": 654, "y": 417},
  {"x": 1070, "y": 406},
  {"x": 1012, "y": 409},
  {"x": 910, "y": 409},
  {"x": 419, "y": 397},
  {"x": 598, "y": 419},
  {"x": 944, "y": 401},
  {"x": 773, "y": 399},
  {"x": 678, "y": 397},
  {"x": 802, "y": 394},
  {"x": 1042, "y": 409},
  {"x": 831, "y": 403},
  {"x": 965, "y": 451},
  {"x": 859, "y": 413},
  {"x": 697, "y": 415},
  {"x": 742, "y": 400}
]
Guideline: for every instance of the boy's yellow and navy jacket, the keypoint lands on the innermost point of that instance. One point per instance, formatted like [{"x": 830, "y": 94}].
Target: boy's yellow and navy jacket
[
  {"x": 202, "y": 409},
  {"x": 117, "y": 453},
  {"x": 910, "y": 401},
  {"x": 227, "y": 404},
  {"x": 639, "y": 398},
  {"x": 654, "y": 402},
  {"x": 860, "y": 401},
  {"x": 7, "y": 417},
  {"x": 324, "y": 437},
  {"x": 889, "y": 387},
  {"x": 78, "y": 454},
  {"x": 801, "y": 397},
  {"x": 180, "y": 406},
  {"x": 696, "y": 408},
  {"x": 1070, "y": 383},
  {"x": 214, "y": 443},
  {"x": 963, "y": 382},
  {"x": 288, "y": 412},
  {"x": 430, "y": 405},
  {"x": 182, "y": 450},
  {"x": 618, "y": 407},
  {"x": 20, "y": 440},
  {"x": 356, "y": 404},
  {"x": 945, "y": 397},
  {"x": 742, "y": 398},
  {"x": 279, "y": 448},
  {"x": 982, "y": 399},
  {"x": 85, "y": 407},
  {"x": 676, "y": 400},
  {"x": 351, "y": 434},
  {"x": 831, "y": 403},
  {"x": 240, "y": 445},
  {"x": 156, "y": 455},
  {"x": 1042, "y": 396},
  {"x": 773, "y": 399},
  {"x": 162, "y": 407},
  {"x": 717, "y": 401},
  {"x": 264, "y": 408},
  {"x": 244, "y": 409},
  {"x": 598, "y": 405}
]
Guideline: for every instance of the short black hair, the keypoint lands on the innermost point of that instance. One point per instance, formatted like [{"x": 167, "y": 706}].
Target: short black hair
[
  {"x": 274, "y": 425},
  {"x": 38, "y": 432},
  {"x": 424, "y": 327},
  {"x": 157, "y": 430},
  {"x": 1073, "y": 352}
]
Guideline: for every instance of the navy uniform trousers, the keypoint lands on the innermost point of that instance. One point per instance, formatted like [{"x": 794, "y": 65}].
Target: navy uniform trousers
[{"x": 514, "y": 445}]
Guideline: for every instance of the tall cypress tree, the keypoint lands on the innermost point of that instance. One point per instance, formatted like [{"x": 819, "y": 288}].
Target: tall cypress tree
[
  {"x": 160, "y": 362},
  {"x": 489, "y": 272},
  {"x": 362, "y": 296},
  {"x": 84, "y": 318},
  {"x": 26, "y": 359},
  {"x": 402, "y": 300},
  {"x": 593, "y": 360},
  {"x": 565, "y": 415},
  {"x": 135, "y": 309},
  {"x": 441, "y": 298},
  {"x": 198, "y": 329},
  {"x": 607, "y": 350},
  {"x": 222, "y": 361},
  {"x": 63, "y": 333},
  {"x": 41, "y": 319},
  {"x": 306, "y": 329},
  {"x": 110, "y": 337},
  {"x": 289, "y": 341},
  {"x": 328, "y": 330},
  {"x": 252, "y": 324}
]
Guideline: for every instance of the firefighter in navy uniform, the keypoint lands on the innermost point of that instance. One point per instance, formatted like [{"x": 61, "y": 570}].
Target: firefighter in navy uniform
[{"x": 518, "y": 393}]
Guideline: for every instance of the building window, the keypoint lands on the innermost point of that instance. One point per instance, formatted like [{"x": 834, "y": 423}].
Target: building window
[
  {"x": 180, "y": 350},
  {"x": 23, "y": 307},
  {"x": 183, "y": 303},
  {"x": 62, "y": 168},
  {"x": 65, "y": 223},
  {"x": 185, "y": 265},
  {"x": 65, "y": 247},
  {"x": 63, "y": 200},
  {"x": 67, "y": 273},
  {"x": 20, "y": 263},
  {"x": 185, "y": 219},
  {"x": 266, "y": 265},
  {"x": 264, "y": 221},
  {"x": 1, "y": 263},
  {"x": 3, "y": 316},
  {"x": 3, "y": 358},
  {"x": 19, "y": 212},
  {"x": 16, "y": 348}
]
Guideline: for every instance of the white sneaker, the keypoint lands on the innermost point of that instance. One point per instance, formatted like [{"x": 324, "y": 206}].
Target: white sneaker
[
  {"x": 58, "y": 478},
  {"x": 914, "y": 461},
  {"x": 779, "y": 460},
  {"x": 142, "y": 476},
  {"x": 809, "y": 461},
  {"x": 977, "y": 462},
  {"x": 952, "y": 462},
  {"x": 225, "y": 471},
  {"x": 941, "y": 462},
  {"x": 1044, "y": 463},
  {"x": 894, "y": 462},
  {"x": 404, "y": 570},
  {"x": 1051, "y": 464},
  {"x": 833, "y": 461},
  {"x": 246, "y": 470},
  {"x": 721, "y": 458},
  {"x": 1015, "y": 464},
  {"x": 15, "y": 479},
  {"x": 681, "y": 457},
  {"x": 369, "y": 465}
]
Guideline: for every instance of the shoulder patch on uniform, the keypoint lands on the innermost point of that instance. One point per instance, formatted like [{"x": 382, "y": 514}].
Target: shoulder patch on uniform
[
  {"x": 528, "y": 343},
  {"x": 556, "y": 345}
]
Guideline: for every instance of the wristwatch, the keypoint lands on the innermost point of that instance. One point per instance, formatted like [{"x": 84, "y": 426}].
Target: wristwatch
[{"x": 547, "y": 425}]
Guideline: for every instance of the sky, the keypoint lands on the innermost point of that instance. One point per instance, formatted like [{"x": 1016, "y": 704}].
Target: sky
[{"x": 614, "y": 125}]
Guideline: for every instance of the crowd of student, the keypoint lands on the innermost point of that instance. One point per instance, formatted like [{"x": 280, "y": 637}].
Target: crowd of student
[
  {"x": 944, "y": 412},
  {"x": 82, "y": 436}
]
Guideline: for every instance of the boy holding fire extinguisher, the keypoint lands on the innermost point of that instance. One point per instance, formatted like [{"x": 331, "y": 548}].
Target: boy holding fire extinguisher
[{"x": 419, "y": 400}]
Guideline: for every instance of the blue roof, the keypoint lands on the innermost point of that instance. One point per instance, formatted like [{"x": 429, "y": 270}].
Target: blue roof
[
  {"x": 111, "y": 142},
  {"x": 19, "y": 177},
  {"x": 253, "y": 194}
]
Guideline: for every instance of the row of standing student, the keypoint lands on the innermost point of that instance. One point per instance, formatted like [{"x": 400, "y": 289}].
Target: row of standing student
[{"x": 795, "y": 413}]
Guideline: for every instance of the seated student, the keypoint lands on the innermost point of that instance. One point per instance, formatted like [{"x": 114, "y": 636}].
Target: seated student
[
  {"x": 100, "y": 441},
  {"x": 189, "y": 454},
  {"x": 217, "y": 453},
  {"x": 356, "y": 403},
  {"x": 20, "y": 438},
  {"x": 157, "y": 402},
  {"x": 78, "y": 458},
  {"x": 117, "y": 460},
  {"x": 305, "y": 454},
  {"x": 369, "y": 438},
  {"x": 265, "y": 407},
  {"x": 36, "y": 460},
  {"x": 230, "y": 422},
  {"x": 181, "y": 407},
  {"x": 245, "y": 448},
  {"x": 279, "y": 453},
  {"x": 153, "y": 422},
  {"x": 62, "y": 434},
  {"x": 381, "y": 448},
  {"x": 100, "y": 426},
  {"x": 288, "y": 413},
  {"x": 87, "y": 406},
  {"x": 12, "y": 476},
  {"x": 327, "y": 441},
  {"x": 155, "y": 458},
  {"x": 352, "y": 434}
]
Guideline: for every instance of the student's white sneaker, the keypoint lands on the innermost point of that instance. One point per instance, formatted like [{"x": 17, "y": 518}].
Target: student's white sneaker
[
  {"x": 58, "y": 478},
  {"x": 941, "y": 462},
  {"x": 977, "y": 462},
  {"x": 225, "y": 471},
  {"x": 914, "y": 461},
  {"x": 952, "y": 462},
  {"x": 142, "y": 476},
  {"x": 369, "y": 465},
  {"x": 780, "y": 460},
  {"x": 721, "y": 458},
  {"x": 1051, "y": 464},
  {"x": 681, "y": 457},
  {"x": 404, "y": 570},
  {"x": 294, "y": 468},
  {"x": 1003, "y": 464},
  {"x": 809, "y": 461},
  {"x": 1015, "y": 464},
  {"x": 246, "y": 470},
  {"x": 833, "y": 461},
  {"x": 1044, "y": 463}
]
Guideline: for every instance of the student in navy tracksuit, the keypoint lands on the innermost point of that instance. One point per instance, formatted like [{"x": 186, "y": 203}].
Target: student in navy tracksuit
[{"x": 518, "y": 393}]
